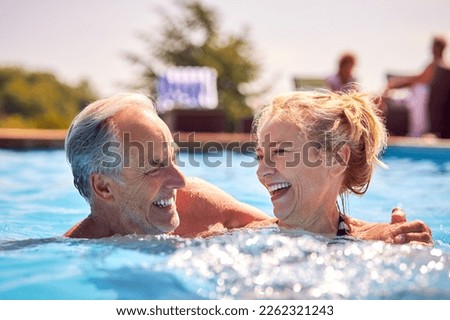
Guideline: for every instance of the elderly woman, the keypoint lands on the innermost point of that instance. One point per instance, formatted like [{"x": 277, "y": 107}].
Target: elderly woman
[{"x": 315, "y": 147}]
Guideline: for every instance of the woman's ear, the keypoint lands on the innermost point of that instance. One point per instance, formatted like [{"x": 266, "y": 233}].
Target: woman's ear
[
  {"x": 341, "y": 158},
  {"x": 101, "y": 186}
]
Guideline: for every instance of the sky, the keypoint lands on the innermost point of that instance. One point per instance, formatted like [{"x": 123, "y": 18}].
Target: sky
[{"x": 88, "y": 39}]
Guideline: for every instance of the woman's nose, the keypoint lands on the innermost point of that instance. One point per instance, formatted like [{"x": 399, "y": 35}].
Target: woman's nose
[{"x": 265, "y": 167}]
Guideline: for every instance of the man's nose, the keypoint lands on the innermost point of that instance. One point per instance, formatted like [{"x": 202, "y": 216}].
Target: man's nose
[{"x": 175, "y": 178}]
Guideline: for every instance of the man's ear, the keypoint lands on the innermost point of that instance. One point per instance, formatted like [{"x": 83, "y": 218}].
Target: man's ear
[{"x": 101, "y": 186}]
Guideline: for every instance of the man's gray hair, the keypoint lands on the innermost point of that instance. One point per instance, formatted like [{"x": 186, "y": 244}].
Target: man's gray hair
[{"x": 90, "y": 131}]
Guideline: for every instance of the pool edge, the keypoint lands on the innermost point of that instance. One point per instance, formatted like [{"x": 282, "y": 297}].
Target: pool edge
[{"x": 23, "y": 139}]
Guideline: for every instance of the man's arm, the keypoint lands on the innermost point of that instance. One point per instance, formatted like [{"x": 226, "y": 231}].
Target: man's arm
[{"x": 205, "y": 209}]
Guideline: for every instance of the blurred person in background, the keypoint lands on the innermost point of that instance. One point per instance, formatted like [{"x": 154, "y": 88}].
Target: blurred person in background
[
  {"x": 343, "y": 79},
  {"x": 419, "y": 85}
]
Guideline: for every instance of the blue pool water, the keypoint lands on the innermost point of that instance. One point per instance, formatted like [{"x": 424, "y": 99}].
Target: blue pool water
[{"x": 38, "y": 203}]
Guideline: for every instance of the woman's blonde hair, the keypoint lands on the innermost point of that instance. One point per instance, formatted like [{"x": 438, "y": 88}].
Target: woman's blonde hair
[{"x": 333, "y": 118}]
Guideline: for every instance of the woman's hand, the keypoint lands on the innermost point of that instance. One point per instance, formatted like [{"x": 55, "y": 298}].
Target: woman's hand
[{"x": 398, "y": 231}]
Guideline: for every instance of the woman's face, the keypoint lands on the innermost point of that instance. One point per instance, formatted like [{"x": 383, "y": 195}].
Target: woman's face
[{"x": 295, "y": 173}]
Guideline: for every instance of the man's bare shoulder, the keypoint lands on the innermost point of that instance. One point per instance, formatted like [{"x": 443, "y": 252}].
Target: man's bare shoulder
[
  {"x": 87, "y": 228},
  {"x": 202, "y": 205}
]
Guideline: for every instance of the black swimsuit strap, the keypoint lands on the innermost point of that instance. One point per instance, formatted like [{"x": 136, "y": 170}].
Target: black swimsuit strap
[{"x": 343, "y": 228}]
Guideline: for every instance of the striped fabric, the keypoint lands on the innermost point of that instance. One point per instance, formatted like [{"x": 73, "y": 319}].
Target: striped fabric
[{"x": 186, "y": 88}]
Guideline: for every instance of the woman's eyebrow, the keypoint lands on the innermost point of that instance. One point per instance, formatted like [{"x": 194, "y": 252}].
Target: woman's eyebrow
[{"x": 273, "y": 145}]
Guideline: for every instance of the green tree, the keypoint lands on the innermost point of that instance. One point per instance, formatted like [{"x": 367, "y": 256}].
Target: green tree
[
  {"x": 39, "y": 100},
  {"x": 195, "y": 39}
]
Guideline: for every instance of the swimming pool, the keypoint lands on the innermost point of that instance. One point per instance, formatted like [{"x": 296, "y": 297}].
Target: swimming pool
[{"x": 38, "y": 203}]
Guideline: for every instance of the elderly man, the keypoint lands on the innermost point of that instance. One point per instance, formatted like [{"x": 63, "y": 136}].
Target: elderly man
[{"x": 122, "y": 157}]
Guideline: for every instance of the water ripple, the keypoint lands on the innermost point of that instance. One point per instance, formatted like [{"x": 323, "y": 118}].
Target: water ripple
[{"x": 269, "y": 265}]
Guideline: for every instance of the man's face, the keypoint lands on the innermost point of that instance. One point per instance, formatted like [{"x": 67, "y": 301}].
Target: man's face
[{"x": 146, "y": 198}]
